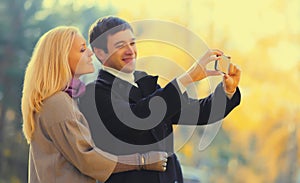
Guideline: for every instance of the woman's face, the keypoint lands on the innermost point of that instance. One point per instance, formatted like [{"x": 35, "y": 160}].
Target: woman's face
[{"x": 80, "y": 57}]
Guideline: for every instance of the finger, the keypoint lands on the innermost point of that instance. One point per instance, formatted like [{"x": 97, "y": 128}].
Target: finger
[
  {"x": 214, "y": 57},
  {"x": 163, "y": 155},
  {"x": 217, "y": 52},
  {"x": 213, "y": 73},
  {"x": 228, "y": 81},
  {"x": 231, "y": 69},
  {"x": 164, "y": 160},
  {"x": 226, "y": 76},
  {"x": 238, "y": 70},
  {"x": 234, "y": 69}
]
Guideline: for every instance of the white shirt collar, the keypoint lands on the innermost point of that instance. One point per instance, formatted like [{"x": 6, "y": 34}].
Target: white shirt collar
[{"x": 129, "y": 77}]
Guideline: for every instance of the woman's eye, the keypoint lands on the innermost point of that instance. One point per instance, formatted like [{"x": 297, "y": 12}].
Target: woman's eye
[{"x": 82, "y": 50}]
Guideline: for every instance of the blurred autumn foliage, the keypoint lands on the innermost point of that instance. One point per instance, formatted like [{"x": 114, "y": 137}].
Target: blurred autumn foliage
[{"x": 259, "y": 141}]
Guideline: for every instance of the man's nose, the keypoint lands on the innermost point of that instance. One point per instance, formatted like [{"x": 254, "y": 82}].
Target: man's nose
[{"x": 129, "y": 49}]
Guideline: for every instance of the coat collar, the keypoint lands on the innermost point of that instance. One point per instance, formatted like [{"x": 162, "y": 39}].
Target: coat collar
[{"x": 146, "y": 84}]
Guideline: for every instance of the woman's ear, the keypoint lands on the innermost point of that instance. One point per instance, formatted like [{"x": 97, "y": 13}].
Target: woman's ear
[{"x": 100, "y": 54}]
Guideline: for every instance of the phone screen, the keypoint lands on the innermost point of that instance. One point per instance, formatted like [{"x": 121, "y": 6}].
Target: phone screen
[{"x": 222, "y": 65}]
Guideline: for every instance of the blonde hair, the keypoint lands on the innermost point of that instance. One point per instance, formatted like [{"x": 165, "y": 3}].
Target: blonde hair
[{"x": 47, "y": 72}]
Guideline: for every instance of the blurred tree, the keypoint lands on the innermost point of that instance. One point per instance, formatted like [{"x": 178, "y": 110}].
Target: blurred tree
[
  {"x": 22, "y": 23},
  {"x": 273, "y": 126}
]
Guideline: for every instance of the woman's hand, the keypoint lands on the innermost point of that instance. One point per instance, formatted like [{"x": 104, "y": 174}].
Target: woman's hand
[{"x": 154, "y": 160}]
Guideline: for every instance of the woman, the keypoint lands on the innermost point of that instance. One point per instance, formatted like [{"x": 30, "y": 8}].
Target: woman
[{"x": 61, "y": 148}]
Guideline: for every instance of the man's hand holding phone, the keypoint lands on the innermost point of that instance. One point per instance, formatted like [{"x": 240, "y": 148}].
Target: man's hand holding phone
[
  {"x": 198, "y": 70},
  {"x": 231, "y": 73}
]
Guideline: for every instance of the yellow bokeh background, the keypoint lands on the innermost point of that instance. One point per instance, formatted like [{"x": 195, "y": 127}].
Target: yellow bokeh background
[{"x": 263, "y": 38}]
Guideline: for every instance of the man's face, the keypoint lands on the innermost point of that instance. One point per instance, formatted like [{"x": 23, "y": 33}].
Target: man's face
[{"x": 121, "y": 51}]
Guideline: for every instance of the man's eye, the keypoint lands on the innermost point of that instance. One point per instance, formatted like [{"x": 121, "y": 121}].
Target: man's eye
[
  {"x": 120, "y": 45},
  {"x": 82, "y": 50},
  {"x": 132, "y": 43}
]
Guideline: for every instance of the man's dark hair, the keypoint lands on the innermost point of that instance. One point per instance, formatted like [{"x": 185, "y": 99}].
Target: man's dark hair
[{"x": 103, "y": 27}]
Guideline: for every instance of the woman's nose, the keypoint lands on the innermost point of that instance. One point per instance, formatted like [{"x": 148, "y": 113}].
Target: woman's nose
[{"x": 90, "y": 53}]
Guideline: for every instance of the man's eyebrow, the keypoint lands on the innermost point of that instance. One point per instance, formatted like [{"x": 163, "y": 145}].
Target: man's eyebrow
[
  {"x": 122, "y": 42},
  {"x": 119, "y": 42}
]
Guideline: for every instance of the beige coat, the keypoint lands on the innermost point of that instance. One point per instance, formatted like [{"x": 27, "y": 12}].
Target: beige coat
[{"x": 62, "y": 150}]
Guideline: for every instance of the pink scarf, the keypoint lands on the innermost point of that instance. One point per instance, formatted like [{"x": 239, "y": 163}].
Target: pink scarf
[{"x": 76, "y": 88}]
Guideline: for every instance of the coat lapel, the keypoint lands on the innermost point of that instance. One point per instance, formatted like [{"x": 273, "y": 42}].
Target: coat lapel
[{"x": 146, "y": 85}]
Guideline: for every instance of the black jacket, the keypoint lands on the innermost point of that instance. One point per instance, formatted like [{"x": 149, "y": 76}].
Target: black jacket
[{"x": 125, "y": 119}]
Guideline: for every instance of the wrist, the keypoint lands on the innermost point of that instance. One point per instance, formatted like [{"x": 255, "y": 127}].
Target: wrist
[
  {"x": 230, "y": 91},
  {"x": 185, "y": 79},
  {"x": 127, "y": 163}
]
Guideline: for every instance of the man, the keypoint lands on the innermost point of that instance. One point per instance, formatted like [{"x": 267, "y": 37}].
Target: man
[{"x": 128, "y": 112}]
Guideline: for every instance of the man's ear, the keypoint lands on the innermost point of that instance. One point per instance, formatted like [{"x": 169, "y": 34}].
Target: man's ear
[{"x": 100, "y": 54}]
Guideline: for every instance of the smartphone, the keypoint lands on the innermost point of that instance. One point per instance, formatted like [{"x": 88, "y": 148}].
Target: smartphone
[{"x": 222, "y": 65}]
